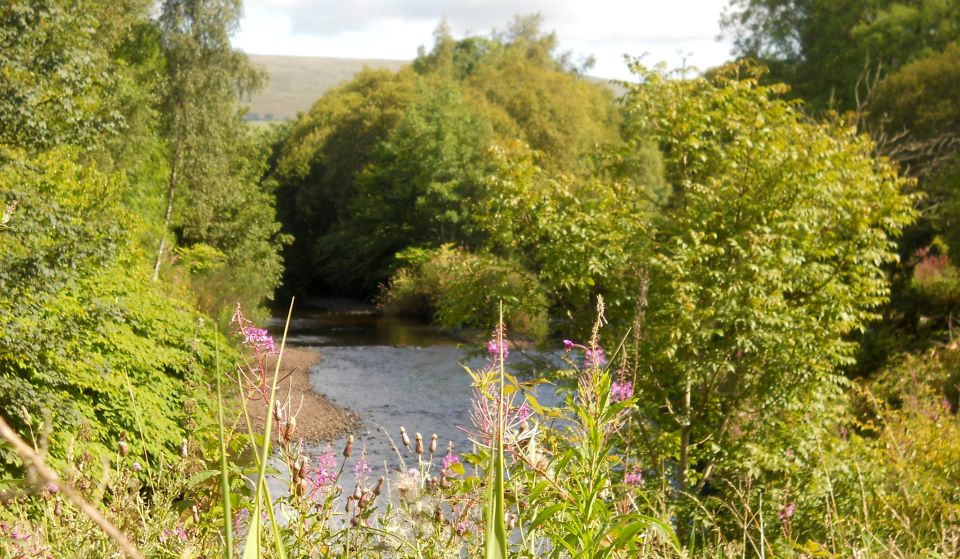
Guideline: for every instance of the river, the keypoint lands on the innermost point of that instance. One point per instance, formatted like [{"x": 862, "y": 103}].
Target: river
[{"x": 392, "y": 372}]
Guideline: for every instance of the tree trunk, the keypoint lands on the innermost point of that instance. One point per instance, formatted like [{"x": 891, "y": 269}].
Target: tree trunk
[{"x": 171, "y": 191}]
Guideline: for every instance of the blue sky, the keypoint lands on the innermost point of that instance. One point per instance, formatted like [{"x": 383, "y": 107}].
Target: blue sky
[{"x": 668, "y": 30}]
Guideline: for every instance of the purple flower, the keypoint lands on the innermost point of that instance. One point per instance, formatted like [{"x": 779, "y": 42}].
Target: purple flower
[
  {"x": 137, "y": 467},
  {"x": 259, "y": 339},
  {"x": 594, "y": 358},
  {"x": 361, "y": 469},
  {"x": 449, "y": 460},
  {"x": 567, "y": 345},
  {"x": 19, "y": 536},
  {"x": 522, "y": 413},
  {"x": 633, "y": 478},
  {"x": 493, "y": 349},
  {"x": 787, "y": 511},
  {"x": 621, "y": 391}
]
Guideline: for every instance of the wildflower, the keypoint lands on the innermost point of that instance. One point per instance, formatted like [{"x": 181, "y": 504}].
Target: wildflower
[
  {"x": 568, "y": 345},
  {"x": 404, "y": 438},
  {"x": 137, "y": 467},
  {"x": 497, "y": 347},
  {"x": 19, "y": 536},
  {"x": 433, "y": 444},
  {"x": 259, "y": 339},
  {"x": 449, "y": 460},
  {"x": 361, "y": 469},
  {"x": 419, "y": 443},
  {"x": 594, "y": 358},
  {"x": 522, "y": 413},
  {"x": 787, "y": 512},
  {"x": 633, "y": 478},
  {"x": 414, "y": 473},
  {"x": 494, "y": 348},
  {"x": 620, "y": 391}
]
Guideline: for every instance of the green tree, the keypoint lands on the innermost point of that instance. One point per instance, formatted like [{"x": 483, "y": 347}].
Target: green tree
[
  {"x": 318, "y": 162},
  {"x": 62, "y": 80},
  {"x": 215, "y": 193},
  {"x": 767, "y": 254},
  {"x": 416, "y": 191},
  {"x": 825, "y": 49}
]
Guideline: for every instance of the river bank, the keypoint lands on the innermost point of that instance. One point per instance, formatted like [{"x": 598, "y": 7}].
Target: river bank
[{"x": 319, "y": 420}]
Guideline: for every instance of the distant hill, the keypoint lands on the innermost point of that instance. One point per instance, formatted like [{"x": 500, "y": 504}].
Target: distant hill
[{"x": 297, "y": 81}]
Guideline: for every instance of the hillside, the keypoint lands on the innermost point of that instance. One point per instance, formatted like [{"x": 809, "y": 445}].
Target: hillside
[{"x": 297, "y": 81}]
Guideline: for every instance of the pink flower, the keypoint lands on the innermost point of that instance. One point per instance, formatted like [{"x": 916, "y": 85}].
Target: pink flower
[
  {"x": 449, "y": 460},
  {"x": 594, "y": 358},
  {"x": 633, "y": 478},
  {"x": 567, "y": 345},
  {"x": 361, "y": 469},
  {"x": 493, "y": 349},
  {"x": 621, "y": 391}
]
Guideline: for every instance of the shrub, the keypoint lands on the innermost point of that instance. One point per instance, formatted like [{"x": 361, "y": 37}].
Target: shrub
[
  {"x": 459, "y": 288},
  {"x": 88, "y": 342}
]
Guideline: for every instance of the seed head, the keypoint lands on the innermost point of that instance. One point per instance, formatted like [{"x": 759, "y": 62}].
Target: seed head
[{"x": 348, "y": 449}]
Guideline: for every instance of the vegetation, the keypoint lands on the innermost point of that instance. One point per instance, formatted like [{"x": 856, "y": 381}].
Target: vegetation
[
  {"x": 764, "y": 287},
  {"x": 93, "y": 103}
]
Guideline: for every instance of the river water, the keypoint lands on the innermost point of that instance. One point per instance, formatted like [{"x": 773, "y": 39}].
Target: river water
[{"x": 392, "y": 372}]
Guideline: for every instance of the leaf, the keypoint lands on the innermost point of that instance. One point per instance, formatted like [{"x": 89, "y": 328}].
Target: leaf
[
  {"x": 200, "y": 477},
  {"x": 545, "y": 514}
]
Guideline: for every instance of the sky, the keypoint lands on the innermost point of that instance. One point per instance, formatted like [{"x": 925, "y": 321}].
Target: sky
[{"x": 671, "y": 31}]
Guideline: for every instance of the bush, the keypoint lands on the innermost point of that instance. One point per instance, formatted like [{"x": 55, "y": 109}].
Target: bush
[
  {"x": 462, "y": 290},
  {"x": 88, "y": 342}
]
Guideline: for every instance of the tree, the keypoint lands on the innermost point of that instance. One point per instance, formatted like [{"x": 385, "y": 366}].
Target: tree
[
  {"x": 215, "y": 194},
  {"x": 60, "y": 80},
  {"x": 318, "y": 162},
  {"x": 416, "y": 190},
  {"x": 767, "y": 254},
  {"x": 825, "y": 49}
]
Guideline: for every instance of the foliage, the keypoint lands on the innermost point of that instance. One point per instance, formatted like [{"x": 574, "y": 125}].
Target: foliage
[
  {"x": 89, "y": 343},
  {"x": 391, "y": 161},
  {"x": 215, "y": 193},
  {"x": 766, "y": 255},
  {"x": 57, "y": 87},
  {"x": 319, "y": 159},
  {"x": 577, "y": 236},
  {"x": 826, "y": 50},
  {"x": 415, "y": 191},
  {"x": 458, "y": 288}
]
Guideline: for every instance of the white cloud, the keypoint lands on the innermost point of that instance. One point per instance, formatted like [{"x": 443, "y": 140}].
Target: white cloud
[{"x": 669, "y": 31}]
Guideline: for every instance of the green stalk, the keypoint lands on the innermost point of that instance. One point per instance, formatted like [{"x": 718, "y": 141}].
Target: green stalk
[
  {"x": 252, "y": 550},
  {"x": 495, "y": 545},
  {"x": 224, "y": 475}
]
